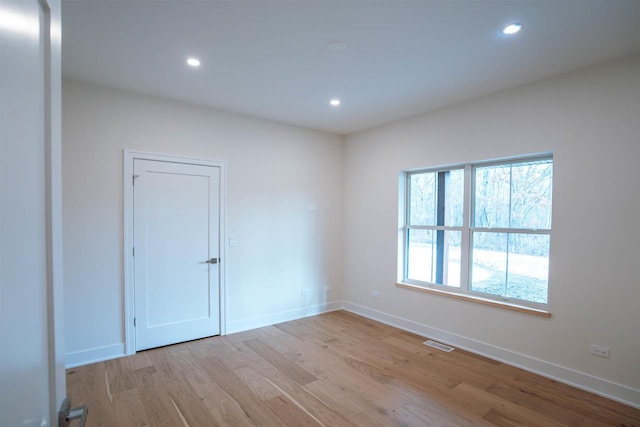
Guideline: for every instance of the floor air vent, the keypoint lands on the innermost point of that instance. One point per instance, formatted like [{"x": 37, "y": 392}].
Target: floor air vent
[{"x": 439, "y": 346}]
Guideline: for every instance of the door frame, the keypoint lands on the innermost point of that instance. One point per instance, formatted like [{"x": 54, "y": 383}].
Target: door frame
[{"x": 129, "y": 283}]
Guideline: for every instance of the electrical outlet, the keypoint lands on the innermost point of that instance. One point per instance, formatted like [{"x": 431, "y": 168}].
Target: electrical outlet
[
  {"x": 375, "y": 294},
  {"x": 597, "y": 350}
]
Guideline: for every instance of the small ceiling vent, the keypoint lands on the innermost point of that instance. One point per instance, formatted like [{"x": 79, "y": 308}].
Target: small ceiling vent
[{"x": 439, "y": 346}]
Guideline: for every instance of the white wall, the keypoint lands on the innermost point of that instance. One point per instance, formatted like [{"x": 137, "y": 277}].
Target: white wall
[
  {"x": 275, "y": 174},
  {"x": 590, "y": 120}
]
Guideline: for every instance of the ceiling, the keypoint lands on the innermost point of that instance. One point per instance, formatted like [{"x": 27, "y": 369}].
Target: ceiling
[{"x": 271, "y": 59}]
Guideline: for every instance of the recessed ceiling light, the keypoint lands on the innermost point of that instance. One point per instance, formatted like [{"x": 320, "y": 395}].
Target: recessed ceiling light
[
  {"x": 337, "y": 46},
  {"x": 511, "y": 29},
  {"x": 334, "y": 102},
  {"x": 194, "y": 62}
]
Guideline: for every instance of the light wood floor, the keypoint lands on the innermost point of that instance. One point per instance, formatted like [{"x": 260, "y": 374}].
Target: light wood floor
[{"x": 336, "y": 369}]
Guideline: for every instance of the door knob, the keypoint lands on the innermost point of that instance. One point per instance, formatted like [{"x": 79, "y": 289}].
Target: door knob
[{"x": 212, "y": 261}]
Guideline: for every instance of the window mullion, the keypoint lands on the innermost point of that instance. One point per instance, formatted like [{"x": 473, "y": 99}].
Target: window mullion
[
  {"x": 440, "y": 220},
  {"x": 506, "y": 272},
  {"x": 407, "y": 208},
  {"x": 465, "y": 252}
]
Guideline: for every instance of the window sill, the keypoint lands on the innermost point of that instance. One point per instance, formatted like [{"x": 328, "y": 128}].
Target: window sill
[{"x": 478, "y": 300}]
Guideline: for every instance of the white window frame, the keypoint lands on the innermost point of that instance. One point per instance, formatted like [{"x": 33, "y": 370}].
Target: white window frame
[{"x": 467, "y": 229}]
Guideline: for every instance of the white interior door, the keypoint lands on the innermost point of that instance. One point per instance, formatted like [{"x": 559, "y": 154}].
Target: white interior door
[{"x": 176, "y": 231}]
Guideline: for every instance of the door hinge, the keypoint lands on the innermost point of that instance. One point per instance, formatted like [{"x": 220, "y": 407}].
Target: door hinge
[
  {"x": 133, "y": 179},
  {"x": 134, "y": 322},
  {"x": 133, "y": 250}
]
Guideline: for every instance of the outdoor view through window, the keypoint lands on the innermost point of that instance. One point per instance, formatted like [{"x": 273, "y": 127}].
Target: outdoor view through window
[{"x": 481, "y": 228}]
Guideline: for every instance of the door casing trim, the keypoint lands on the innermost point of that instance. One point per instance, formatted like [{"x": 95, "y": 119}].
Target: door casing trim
[{"x": 127, "y": 255}]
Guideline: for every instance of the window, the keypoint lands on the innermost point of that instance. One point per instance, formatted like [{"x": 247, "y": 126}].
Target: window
[{"x": 481, "y": 229}]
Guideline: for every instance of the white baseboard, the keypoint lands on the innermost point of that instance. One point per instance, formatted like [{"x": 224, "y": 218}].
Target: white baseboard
[
  {"x": 283, "y": 316},
  {"x": 618, "y": 392},
  {"x": 99, "y": 354},
  {"x": 93, "y": 355}
]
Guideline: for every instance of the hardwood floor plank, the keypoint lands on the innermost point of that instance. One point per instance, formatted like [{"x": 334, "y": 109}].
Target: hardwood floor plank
[
  {"x": 174, "y": 362},
  {"x": 603, "y": 410},
  {"x": 330, "y": 415},
  {"x": 595, "y": 423},
  {"x": 259, "y": 413},
  {"x": 330, "y": 368},
  {"x": 279, "y": 340},
  {"x": 291, "y": 414},
  {"x": 342, "y": 399},
  {"x": 155, "y": 399},
  {"x": 292, "y": 330},
  {"x": 137, "y": 361},
  {"x": 202, "y": 350},
  {"x": 336, "y": 369},
  {"x": 484, "y": 402},
  {"x": 369, "y": 368},
  {"x": 415, "y": 414},
  {"x": 118, "y": 375},
  {"x": 224, "y": 408},
  {"x": 189, "y": 405},
  {"x": 129, "y": 409},
  {"x": 435, "y": 399},
  {"x": 497, "y": 418},
  {"x": 92, "y": 388},
  {"x": 536, "y": 403},
  {"x": 315, "y": 331},
  {"x": 76, "y": 380},
  {"x": 285, "y": 366},
  {"x": 372, "y": 418},
  {"x": 413, "y": 347},
  {"x": 257, "y": 383},
  {"x": 427, "y": 364},
  {"x": 383, "y": 370}
]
